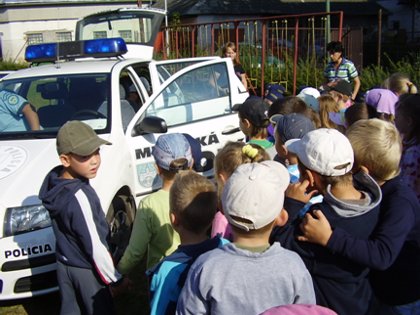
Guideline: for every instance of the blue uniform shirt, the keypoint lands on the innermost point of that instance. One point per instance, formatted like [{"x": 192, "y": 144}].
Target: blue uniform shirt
[{"x": 11, "y": 116}]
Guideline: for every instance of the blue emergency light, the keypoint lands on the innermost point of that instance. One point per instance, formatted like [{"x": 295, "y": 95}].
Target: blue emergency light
[{"x": 96, "y": 48}]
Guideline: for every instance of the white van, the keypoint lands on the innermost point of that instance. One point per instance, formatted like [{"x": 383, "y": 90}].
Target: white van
[{"x": 192, "y": 96}]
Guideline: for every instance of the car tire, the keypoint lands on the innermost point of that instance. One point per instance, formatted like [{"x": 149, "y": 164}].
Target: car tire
[{"x": 120, "y": 217}]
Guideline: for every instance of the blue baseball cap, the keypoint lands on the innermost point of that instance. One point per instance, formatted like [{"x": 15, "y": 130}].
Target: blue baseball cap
[
  {"x": 292, "y": 126},
  {"x": 170, "y": 147}
]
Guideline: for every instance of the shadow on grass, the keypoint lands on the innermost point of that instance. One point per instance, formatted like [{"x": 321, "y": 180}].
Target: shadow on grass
[
  {"x": 133, "y": 302},
  {"x": 39, "y": 305},
  {"x": 137, "y": 300}
]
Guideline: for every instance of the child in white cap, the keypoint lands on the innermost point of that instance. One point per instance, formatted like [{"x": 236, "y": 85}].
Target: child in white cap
[
  {"x": 249, "y": 275},
  {"x": 325, "y": 163}
]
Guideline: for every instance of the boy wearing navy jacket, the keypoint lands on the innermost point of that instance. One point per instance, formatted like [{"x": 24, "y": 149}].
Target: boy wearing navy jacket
[
  {"x": 85, "y": 267},
  {"x": 325, "y": 163},
  {"x": 393, "y": 250}
]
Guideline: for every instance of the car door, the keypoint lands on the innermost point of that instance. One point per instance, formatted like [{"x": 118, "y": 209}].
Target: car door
[{"x": 197, "y": 100}]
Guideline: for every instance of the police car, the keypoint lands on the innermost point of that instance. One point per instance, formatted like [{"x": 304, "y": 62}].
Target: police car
[{"x": 93, "y": 81}]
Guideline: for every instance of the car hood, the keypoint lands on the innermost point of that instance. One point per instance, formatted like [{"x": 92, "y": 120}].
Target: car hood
[{"x": 17, "y": 160}]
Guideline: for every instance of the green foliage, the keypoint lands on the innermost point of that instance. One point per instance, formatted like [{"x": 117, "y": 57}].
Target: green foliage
[
  {"x": 8, "y": 65},
  {"x": 310, "y": 72},
  {"x": 374, "y": 75}
]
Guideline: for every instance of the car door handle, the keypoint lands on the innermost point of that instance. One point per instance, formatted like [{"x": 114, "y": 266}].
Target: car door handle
[{"x": 231, "y": 131}]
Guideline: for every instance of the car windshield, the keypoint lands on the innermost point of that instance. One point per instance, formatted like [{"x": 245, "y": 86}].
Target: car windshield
[{"x": 55, "y": 100}]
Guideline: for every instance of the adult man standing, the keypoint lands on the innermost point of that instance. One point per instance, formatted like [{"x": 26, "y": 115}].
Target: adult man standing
[{"x": 341, "y": 68}]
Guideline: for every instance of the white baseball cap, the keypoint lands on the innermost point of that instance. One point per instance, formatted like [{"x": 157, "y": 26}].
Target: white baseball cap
[
  {"x": 253, "y": 195},
  {"x": 325, "y": 151},
  {"x": 310, "y": 96}
]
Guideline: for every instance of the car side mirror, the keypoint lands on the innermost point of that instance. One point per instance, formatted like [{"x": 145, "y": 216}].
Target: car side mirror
[{"x": 150, "y": 124}]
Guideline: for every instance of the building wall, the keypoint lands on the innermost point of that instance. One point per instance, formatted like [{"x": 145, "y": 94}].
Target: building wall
[
  {"x": 18, "y": 24},
  {"x": 401, "y": 18}
]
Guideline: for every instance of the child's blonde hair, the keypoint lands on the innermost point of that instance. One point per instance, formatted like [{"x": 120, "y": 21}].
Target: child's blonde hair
[
  {"x": 327, "y": 105},
  {"x": 234, "y": 154},
  {"x": 400, "y": 83},
  {"x": 194, "y": 200},
  {"x": 377, "y": 146}
]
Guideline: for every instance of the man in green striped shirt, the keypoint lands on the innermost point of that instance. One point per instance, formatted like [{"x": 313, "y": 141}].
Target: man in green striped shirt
[{"x": 341, "y": 68}]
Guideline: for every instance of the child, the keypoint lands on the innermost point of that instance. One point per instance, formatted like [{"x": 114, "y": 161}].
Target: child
[
  {"x": 229, "y": 51},
  {"x": 85, "y": 269},
  {"x": 341, "y": 92},
  {"x": 249, "y": 276},
  {"x": 330, "y": 114},
  {"x": 193, "y": 203},
  {"x": 290, "y": 126},
  {"x": 227, "y": 160},
  {"x": 359, "y": 111},
  {"x": 407, "y": 121},
  {"x": 383, "y": 101},
  {"x": 394, "y": 247},
  {"x": 325, "y": 163},
  {"x": 310, "y": 96},
  {"x": 253, "y": 122},
  {"x": 400, "y": 84},
  {"x": 273, "y": 92},
  {"x": 152, "y": 231}
]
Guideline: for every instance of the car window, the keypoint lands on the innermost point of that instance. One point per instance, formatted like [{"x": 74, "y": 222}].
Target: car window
[
  {"x": 61, "y": 98},
  {"x": 166, "y": 70},
  {"x": 201, "y": 93}
]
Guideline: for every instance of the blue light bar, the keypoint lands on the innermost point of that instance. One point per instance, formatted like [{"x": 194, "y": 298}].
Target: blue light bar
[{"x": 96, "y": 48}]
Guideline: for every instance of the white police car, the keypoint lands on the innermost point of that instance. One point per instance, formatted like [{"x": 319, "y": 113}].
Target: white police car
[{"x": 192, "y": 96}]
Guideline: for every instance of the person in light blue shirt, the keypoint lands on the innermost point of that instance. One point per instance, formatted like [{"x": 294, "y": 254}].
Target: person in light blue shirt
[{"x": 16, "y": 114}]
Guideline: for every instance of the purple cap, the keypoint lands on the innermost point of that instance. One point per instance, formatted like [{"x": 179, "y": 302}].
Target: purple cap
[
  {"x": 382, "y": 99},
  {"x": 299, "y": 309}
]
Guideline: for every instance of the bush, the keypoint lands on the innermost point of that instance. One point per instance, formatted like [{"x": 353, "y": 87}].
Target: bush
[{"x": 9, "y": 65}]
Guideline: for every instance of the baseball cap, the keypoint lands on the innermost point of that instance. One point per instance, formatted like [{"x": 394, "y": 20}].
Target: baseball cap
[
  {"x": 78, "y": 138},
  {"x": 274, "y": 92},
  {"x": 325, "y": 151},
  {"x": 342, "y": 87},
  {"x": 382, "y": 99},
  {"x": 170, "y": 147},
  {"x": 310, "y": 96},
  {"x": 197, "y": 154},
  {"x": 255, "y": 194},
  {"x": 292, "y": 126},
  {"x": 254, "y": 109}
]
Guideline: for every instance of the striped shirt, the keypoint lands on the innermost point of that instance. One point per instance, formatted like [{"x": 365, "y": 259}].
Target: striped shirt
[{"x": 345, "y": 71}]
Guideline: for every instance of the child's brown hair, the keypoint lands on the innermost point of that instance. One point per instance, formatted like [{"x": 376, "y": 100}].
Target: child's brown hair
[{"x": 193, "y": 198}]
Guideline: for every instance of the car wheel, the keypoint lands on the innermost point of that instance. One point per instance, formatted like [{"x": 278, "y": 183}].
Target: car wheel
[{"x": 120, "y": 217}]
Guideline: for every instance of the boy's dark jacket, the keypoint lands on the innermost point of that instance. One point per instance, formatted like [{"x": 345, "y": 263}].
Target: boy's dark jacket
[
  {"x": 79, "y": 224},
  {"x": 339, "y": 283}
]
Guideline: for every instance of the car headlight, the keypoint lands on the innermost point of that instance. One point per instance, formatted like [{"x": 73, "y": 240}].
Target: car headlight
[{"x": 19, "y": 220}]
